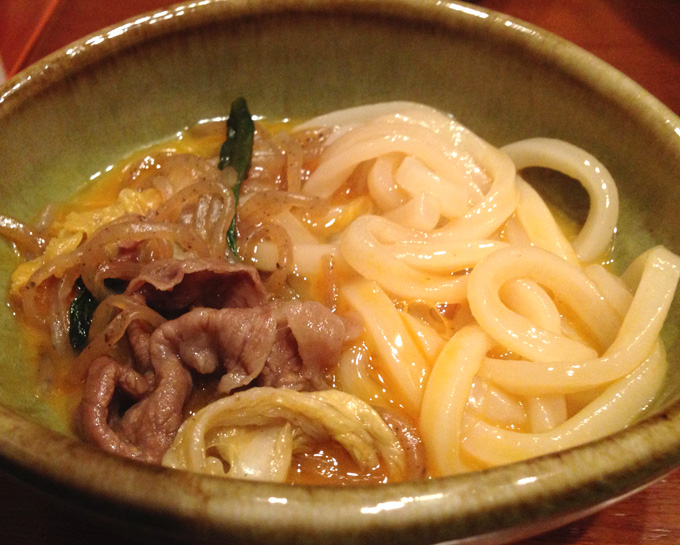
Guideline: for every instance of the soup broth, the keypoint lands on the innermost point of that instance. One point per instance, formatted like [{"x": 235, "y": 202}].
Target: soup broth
[{"x": 399, "y": 303}]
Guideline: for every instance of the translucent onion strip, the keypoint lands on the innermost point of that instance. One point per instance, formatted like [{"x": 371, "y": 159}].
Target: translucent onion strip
[
  {"x": 25, "y": 238},
  {"x": 105, "y": 332}
]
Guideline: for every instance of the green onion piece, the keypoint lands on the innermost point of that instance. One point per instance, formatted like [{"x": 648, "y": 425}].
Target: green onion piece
[
  {"x": 80, "y": 316},
  {"x": 237, "y": 152}
]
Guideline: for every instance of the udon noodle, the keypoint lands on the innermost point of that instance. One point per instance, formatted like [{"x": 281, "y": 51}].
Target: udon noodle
[{"x": 402, "y": 303}]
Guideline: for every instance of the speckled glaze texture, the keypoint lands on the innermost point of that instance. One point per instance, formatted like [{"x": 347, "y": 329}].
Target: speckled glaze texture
[{"x": 80, "y": 110}]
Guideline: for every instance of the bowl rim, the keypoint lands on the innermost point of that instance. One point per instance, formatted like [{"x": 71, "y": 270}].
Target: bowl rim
[{"x": 451, "y": 507}]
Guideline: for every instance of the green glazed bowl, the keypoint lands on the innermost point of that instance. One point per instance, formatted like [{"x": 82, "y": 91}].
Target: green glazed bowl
[{"x": 69, "y": 117}]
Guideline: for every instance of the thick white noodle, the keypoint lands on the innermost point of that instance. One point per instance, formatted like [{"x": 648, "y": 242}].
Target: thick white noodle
[
  {"x": 398, "y": 359},
  {"x": 446, "y": 396},
  {"x": 528, "y": 298},
  {"x": 546, "y": 412},
  {"x": 540, "y": 225},
  {"x": 421, "y": 212},
  {"x": 596, "y": 234},
  {"x": 340, "y": 121},
  {"x": 496, "y": 405},
  {"x": 382, "y": 186},
  {"x": 435, "y": 139},
  {"x": 353, "y": 376},
  {"x": 517, "y": 333},
  {"x": 425, "y": 337},
  {"x": 537, "y": 334},
  {"x": 362, "y": 249},
  {"x": 611, "y": 411},
  {"x": 637, "y": 336},
  {"x": 428, "y": 168},
  {"x": 612, "y": 288},
  {"x": 416, "y": 179},
  {"x": 613, "y": 408}
]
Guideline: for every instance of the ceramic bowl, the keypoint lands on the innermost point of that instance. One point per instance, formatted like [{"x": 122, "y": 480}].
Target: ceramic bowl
[{"x": 67, "y": 118}]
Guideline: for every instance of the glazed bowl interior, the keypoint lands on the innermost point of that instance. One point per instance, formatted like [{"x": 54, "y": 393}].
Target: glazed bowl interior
[{"x": 68, "y": 118}]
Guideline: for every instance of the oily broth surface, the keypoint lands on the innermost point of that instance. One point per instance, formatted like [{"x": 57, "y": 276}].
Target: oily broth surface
[
  {"x": 55, "y": 398},
  {"x": 50, "y": 397}
]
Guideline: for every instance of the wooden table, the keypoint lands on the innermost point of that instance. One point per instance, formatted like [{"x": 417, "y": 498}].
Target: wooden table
[{"x": 642, "y": 39}]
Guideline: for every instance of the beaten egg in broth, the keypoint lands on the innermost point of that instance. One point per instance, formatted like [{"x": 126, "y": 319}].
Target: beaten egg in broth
[
  {"x": 323, "y": 462},
  {"x": 428, "y": 326}
]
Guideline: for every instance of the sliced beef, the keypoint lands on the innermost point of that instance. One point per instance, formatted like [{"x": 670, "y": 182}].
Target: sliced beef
[
  {"x": 236, "y": 340},
  {"x": 145, "y": 430},
  {"x": 152, "y": 423},
  {"x": 225, "y": 327},
  {"x": 287, "y": 347},
  {"x": 309, "y": 341},
  {"x": 283, "y": 368},
  {"x": 139, "y": 335},
  {"x": 174, "y": 286},
  {"x": 96, "y": 419}
]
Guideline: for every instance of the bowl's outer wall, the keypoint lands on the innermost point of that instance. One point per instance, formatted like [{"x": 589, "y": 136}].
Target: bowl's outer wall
[{"x": 504, "y": 80}]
